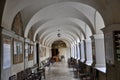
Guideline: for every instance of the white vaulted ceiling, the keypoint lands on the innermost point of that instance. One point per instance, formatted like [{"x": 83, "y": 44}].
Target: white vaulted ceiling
[{"x": 75, "y": 20}]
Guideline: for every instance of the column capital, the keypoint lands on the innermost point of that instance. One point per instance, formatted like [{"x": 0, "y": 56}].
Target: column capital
[
  {"x": 7, "y": 32},
  {"x": 98, "y": 36}
]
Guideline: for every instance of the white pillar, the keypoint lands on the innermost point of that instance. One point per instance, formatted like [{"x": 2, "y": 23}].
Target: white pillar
[
  {"x": 100, "y": 50},
  {"x": 82, "y": 52},
  {"x": 35, "y": 53},
  {"x": 89, "y": 60},
  {"x": 75, "y": 50},
  {"x": 72, "y": 51},
  {"x": 68, "y": 52},
  {"x": 78, "y": 51}
]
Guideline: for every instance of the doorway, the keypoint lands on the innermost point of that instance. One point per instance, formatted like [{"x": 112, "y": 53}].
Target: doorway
[{"x": 55, "y": 55}]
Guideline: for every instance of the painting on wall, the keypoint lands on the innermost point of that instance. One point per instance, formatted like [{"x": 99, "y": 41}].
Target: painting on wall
[
  {"x": 18, "y": 51},
  {"x": 30, "y": 54},
  {"x": 6, "y": 52},
  {"x": 18, "y": 47},
  {"x": 17, "y": 25}
]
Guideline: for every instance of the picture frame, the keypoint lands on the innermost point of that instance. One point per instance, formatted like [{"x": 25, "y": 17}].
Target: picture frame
[
  {"x": 7, "y": 41},
  {"x": 18, "y": 51}
]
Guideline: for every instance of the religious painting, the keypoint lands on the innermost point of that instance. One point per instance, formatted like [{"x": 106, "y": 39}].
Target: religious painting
[
  {"x": 17, "y": 25},
  {"x": 18, "y": 51},
  {"x": 18, "y": 47}
]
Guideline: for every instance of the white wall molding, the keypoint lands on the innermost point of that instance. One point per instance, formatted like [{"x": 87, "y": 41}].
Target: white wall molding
[{"x": 8, "y": 32}]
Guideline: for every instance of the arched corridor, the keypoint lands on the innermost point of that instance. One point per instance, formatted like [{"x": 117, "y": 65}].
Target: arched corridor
[{"x": 85, "y": 34}]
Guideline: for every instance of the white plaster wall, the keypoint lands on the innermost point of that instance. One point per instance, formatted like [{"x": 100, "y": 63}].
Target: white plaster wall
[
  {"x": 6, "y": 73},
  {"x": 82, "y": 37},
  {"x": 75, "y": 51},
  {"x": 100, "y": 52},
  {"x": 30, "y": 63},
  {"x": 72, "y": 51},
  {"x": 26, "y": 62},
  {"x": 63, "y": 51},
  {"x": 78, "y": 50},
  {"x": 17, "y": 68},
  {"x": 99, "y": 23},
  {"x": 89, "y": 52},
  {"x": 88, "y": 32},
  {"x": 68, "y": 53},
  {"x": 48, "y": 54}
]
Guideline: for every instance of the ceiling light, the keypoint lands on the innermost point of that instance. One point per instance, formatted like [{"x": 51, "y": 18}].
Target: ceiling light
[{"x": 59, "y": 35}]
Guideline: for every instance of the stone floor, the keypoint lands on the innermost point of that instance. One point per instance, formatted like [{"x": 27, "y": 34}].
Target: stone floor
[{"x": 60, "y": 71}]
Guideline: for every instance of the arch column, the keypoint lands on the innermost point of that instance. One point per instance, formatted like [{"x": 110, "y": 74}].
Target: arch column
[
  {"x": 35, "y": 53},
  {"x": 100, "y": 52},
  {"x": 82, "y": 51},
  {"x": 89, "y": 60},
  {"x": 72, "y": 51},
  {"x": 26, "y": 53},
  {"x": 78, "y": 51},
  {"x": 75, "y": 51}
]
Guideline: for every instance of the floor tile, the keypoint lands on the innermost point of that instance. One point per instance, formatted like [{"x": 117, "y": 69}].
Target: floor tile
[{"x": 60, "y": 71}]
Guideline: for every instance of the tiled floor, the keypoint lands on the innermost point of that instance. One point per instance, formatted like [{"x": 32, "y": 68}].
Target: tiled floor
[{"x": 60, "y": 71}]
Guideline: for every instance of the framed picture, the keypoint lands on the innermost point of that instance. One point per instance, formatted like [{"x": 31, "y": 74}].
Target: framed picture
[
  {"x": 18, "y": 51},
  {"x": 18, "y": 47},
  {"x": 6, "y": 52}
]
